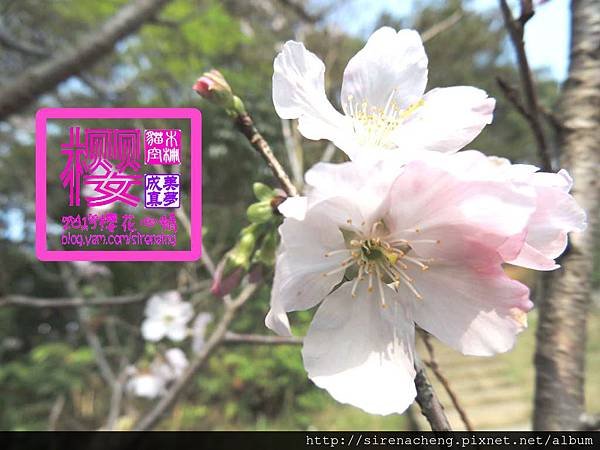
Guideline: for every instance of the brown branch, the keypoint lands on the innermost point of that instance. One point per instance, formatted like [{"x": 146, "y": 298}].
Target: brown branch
[
  {"x": 235, "y": 338},
  {"x": 515, "y": 30},
  {"x": 7, "y": 40},
  {"x": 301, "y": 11},
  {"x": 435, "y": 368},
  {"x": 245, "y": 124},
  {"x": 155, "y": 414},
  {"x": 441, "y": 26},
  {"x": 48, "y": 74},
  {"x": 75, "y": 302},
  {"x": 430, "y": 405}
]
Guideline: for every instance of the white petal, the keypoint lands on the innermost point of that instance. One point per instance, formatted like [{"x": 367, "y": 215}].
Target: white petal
[
  {"x": 299, "y": 281},
  {"x": 294, "y": 207},
  {"x": 391, "y": 68},
  {"x": 185, "y": 312},
  {"x": 362, "y": 353},
  {"x": 299, "y": 93},
  {"x": 177, "y": 360},
  {"x": 359, "y": 185},
  {"x": 177, "y": 331},
  {"x": 448, "y": 119},
  {"x": 477, "y": 312},
  {"x": 147, "y": 385},
  {"x": 154, "y": 306},
  {"x": 153, "y": 329},
  {"x": 277, "y": 320}
]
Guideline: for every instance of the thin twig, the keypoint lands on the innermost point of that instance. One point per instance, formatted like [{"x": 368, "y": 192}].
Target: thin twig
[
  {"x": 55, "y": 412},
  {"x": 246, "y": 126},
  {"x": 427, "y": 399},
  {"x": 294, "y": 151},
  {"x": 70, "y": 302},
  {"x": 155, "y": 414},
  {"x": 235, "y": 338},
  {"x": 441, "y": 26},
  {"x": 115, "y": 400},
  {"x": 515, "y": 30},
  {"x": 433, "y": 365}
]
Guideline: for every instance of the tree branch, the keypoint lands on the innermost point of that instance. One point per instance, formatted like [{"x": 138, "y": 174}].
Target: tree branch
[
  {"x": 433, "y": 365},
  {"x": 155, "y": 414},
  {"x": 515, "y": 30},
  {"x": 47, "y": 75},
  {"x": 245, "y": 124},
  {"x": 427, "y": 399},
  {"x": 70, "y": 302},
  {"x": 26, "y": 48},
  {"x": 234, "y": 338},
  {"x": 441, "y": 26}
]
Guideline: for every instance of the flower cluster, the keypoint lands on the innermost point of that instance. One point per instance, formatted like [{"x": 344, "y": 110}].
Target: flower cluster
[
  {"x": 167, "y": 316},
  {"x": 409, "y": 232},
  {"x": 152, "y": 382}
]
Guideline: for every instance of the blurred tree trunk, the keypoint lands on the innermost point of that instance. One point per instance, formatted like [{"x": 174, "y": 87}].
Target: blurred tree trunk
[
  {"x": 41, "y": 78},
  {"x": 561, "y": 333}
]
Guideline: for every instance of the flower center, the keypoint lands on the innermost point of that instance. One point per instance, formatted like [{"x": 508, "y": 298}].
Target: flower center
[
  {"x": 380, "y": 257},
  {"x": 373, "y": 125},
  {"x": 169, "y": 318}
]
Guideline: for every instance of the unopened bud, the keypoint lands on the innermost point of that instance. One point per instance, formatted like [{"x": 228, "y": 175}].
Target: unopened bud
[
  {"x": 213, "y": 87},
  {"x": 224, "y": 280},
  {"x": 259, "y": 212}
]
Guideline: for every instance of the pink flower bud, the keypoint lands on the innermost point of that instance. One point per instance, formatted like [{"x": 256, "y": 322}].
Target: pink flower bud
[
  {"x": 203, "y": 86},
  {"x": 223, "y": 283}
]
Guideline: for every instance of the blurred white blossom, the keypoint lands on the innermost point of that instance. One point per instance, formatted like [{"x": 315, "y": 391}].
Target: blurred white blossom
[
  {"x": 166, "y": 315},
  {"x": 199, "y": 330},
  {"x": 153, "y": 382}
]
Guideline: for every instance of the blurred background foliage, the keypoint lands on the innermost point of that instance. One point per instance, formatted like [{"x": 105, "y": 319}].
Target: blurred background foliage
[{"x": 44, "y": 360}]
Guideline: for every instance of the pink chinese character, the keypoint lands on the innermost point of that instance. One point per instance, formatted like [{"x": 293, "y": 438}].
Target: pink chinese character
[
  {"x": 113, "y": 186},
  {"x": 74, "y": 167}
]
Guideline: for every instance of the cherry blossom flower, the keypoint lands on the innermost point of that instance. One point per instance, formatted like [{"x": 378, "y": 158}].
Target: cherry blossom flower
[
  {"x": 152, "y": 382},
  {"x": 383, "y": 99},
  {"x": 166, "y": 316},
  {"x": 384, "y": 249}
]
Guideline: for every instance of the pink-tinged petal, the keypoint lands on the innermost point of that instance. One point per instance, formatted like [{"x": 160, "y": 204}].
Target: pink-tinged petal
[
  {"x": 533, "y": 259},
  {"x": 472, "y": 220},
  {"x": 361, "y": 353},
  {"x": 299, "y": 93},
  {"x": 556, "y": 215},
  {"x": 390, "y": 69},
  {"x": 447, "y": 120},
  {"x": 477, "y": 312}
]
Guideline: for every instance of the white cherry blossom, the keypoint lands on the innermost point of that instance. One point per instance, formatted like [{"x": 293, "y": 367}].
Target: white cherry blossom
[
  {"x": 383, "y": 98},
  {"x": 166, "y": 316},
  {"x": 152, "y": 382}
]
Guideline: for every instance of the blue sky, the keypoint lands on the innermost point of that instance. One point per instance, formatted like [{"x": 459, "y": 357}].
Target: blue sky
[{"x": 546, "y": 34}]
